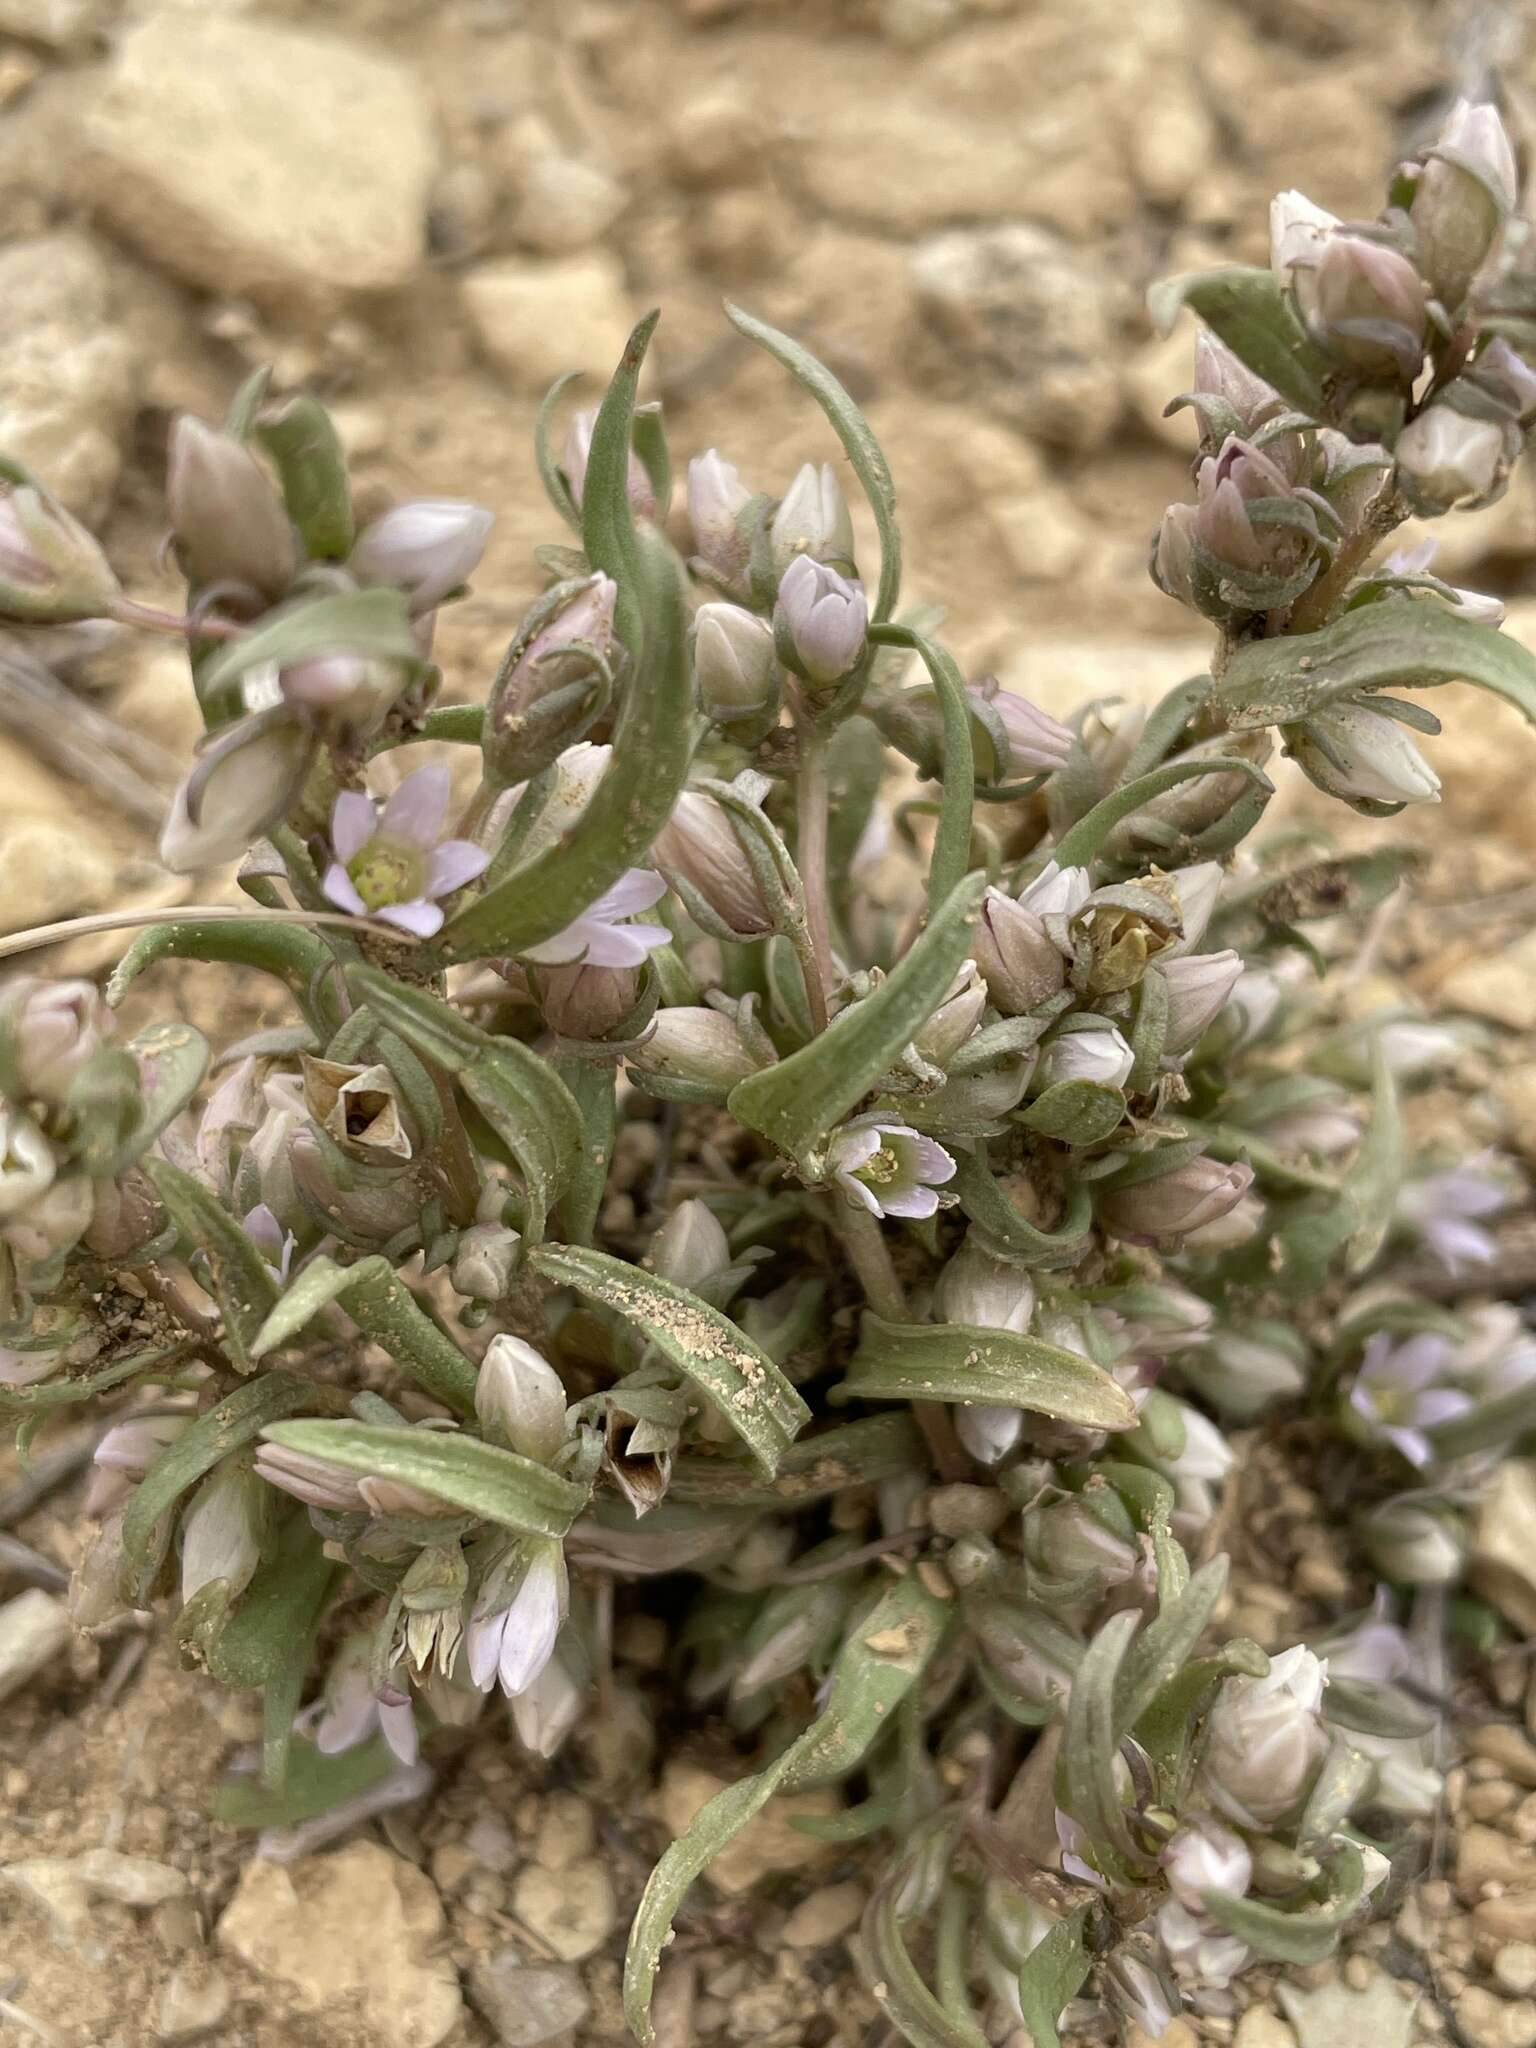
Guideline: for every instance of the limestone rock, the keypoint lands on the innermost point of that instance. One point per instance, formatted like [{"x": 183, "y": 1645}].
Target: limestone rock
[
  {"x": 1515, "y": 1088},
  {"x": 526, "y": 2003},
  {"x": 274, "y": 162},
  {"x": 1503, "y": 1561},
  {"x": 360, "y": 1924},
  {"x": 68, "y": 373},
  {"x": 1499, "y": 986},
  {"x": 157, "y": 700},
  {"x": 564, "y": 204},
  {"x": 537, "y": 319},
  {"x": 54, "y": 867},
  {"x": 765, "y": 1845},
  {"x": 826, "y": 1916},
  {"x": 194, "y": 2000},
  {"x": 572, "y": 1911},
  {"x": 1339, "y": 2016},
  {"x": 34, "y": 1628},
  {"x": 1023, "y": 312},
  {"x": 60, "y": 24}
]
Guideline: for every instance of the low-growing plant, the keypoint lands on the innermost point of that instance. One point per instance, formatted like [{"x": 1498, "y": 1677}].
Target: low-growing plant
[{"x": 989, "y": 1195}]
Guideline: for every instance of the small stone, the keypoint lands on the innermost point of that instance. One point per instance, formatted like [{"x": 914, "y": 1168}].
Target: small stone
[
  {"x": 270, "y": 161},
  {"x": 526, "y": 2003},
  {"x": 1484, "y": 1856},
  {"x": 567, "y": 1832},
  {"x": 52, "y": 869},
  {"x": 826, "y": 1916},
  {"x": 360, "y": 1925},
  {"x": 1514, "y": 1967},
  {"x": 68, "y": 370},
  {"x": 1019, "y": 309},
  {"x": 1499, "y": 986},
  {"x": 1332, "y": 2015},
  {"x": 60, "y": 24},
  {"x": 1259, "y": 2027},
  {"x": 1510, "y": 1918},
  {"x": 1487, "y": 2022},
  {"x": 34, "y": 1629},
  {"x": 765, "y": 1845},
  {"x": 492, "y": 1844},
  {"x": 1171, "y": 144},
  {"x": 537, "y": 319},
  {"x": 715, "y": 139},
  {"x": 565, "y": 204},
  {"x": 1505, "y": 1746},
  {"x": 157, "y": 699},
  {"x": 1502, "y": 1566},
  {"x": 193, "y": 2002},
  {"x": 453, "y": 1864},
  {"x": 1487, "y": 1800},
  {"x": 132, "y": 1880},
  {"x": 1515, "y": 1089},
  {"x": 571, "y": 1911}
]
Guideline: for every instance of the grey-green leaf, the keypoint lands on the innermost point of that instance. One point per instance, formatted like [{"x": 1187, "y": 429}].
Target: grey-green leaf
[
  {"x": 374, "y": 624},
  {"x": 384, "y": 1308},
  {"x": 1248, "y": 310},
  {"x": 1053, "y": 1973},
  {"x": 740, "y": 1382},
  {"x": 1306, "y": 1935},
  {"x": 292, "y": 952},
  {"x": 1084, "y": 840},
  {"x": 952, "y": 1362},
  {"x": 243, "y": 1283},
  {"x": 306, "y": 451}
]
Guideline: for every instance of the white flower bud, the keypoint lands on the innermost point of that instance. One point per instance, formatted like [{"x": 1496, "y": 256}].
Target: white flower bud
[
  {"x": 1465, "y": 192},
  {"x": 1097, "y": 1055},
  {"x": 988, "y": 1432},
  {"x": 956, "y": 1017},
  {"x": 1197, "y": 889},
  {"x": 1206, "y": 1857},
  {"x": 426, "y": 547},
  {"x": 1198, "y": 987},
  {"x": 1298, "y": 233},
  {"x": 1264, "y": 1738},
  {"x": 1444, "y": 456},
  {"x": 820, "y": 621},
  {"x": 734, "y": 663},
  {"x": 54, "y": 1029},
  {"x": 485, "y": 1261},
  {"x": 229, "y": 523},
  {"x": 691, "y": 1044},
  {"x": 698, "y": 847},
  {"x": 1351, "y": 751},
  {"x": 1414, "y": 1544},
  {"x": 520, "y": 1396},
  {"x": 690, "y": 1246},
  {"x": 547, "y": 1709},
  {"x": 1019, "y": 960},
  {"x": 983, "y": 1293},
  {"x": 716, "y": 495},
  {"x": 221, "y": 1531},
  {"x": 812, "y": 519},
  {"x": 244, "y": 782}
]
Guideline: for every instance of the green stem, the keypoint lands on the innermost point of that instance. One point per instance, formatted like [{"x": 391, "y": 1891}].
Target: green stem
[
  {"x": 812, "y": 801},
  {"x": 1315, "y": 607}
]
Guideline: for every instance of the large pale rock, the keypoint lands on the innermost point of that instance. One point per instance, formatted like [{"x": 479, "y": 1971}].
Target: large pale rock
[
  {"x": 268, "y": 161},
  {"x": 360, "y": 1925},
  {"x": 1018, "y": 309},
  {"x": 536, "y": 320},
  {"x": 1503, "y": 1561},
  {"x": 34, "y": 1628},
  {"x": 68, "y": 373}
]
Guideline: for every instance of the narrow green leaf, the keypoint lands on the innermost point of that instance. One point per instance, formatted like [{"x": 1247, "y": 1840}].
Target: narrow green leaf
[
  {"x": 1165, "y": 1646},
  {"x": 236, "y": 1420},
  {"x": 1491, "y": 1425},
  {"x": 298, "y": 958},
  {"x": 1397, "y": 644},
  {"x": 172, "y": 1059},
  {"x": 864, "y": 452},
  {"x": 985, "y": 1200},
  {"x": 1307, "y": 1934},
  {"x": 739, "y": 1381},
  {"x": 482, "y": 1479},
  {"x": 1375, "y": 1708},
  {"x": 313, "y": 1785},
  {"x": 594, "y": 1090},
  {"x": 1249, "y": 311},
  {"x": 384, "y": 1308},
  {"x": 1053, "y": 1973},
  {"x": 306, "y": 451},
  {"x": 897, "y": 1984},
  {"x": 69, "y": 1388},
  {"x": 551, "y": 475},
  {"x": 244, "y": 1285},
  {"x": 952, "y": 1362},
  {"x": 607, "y": 518},
  {"x": 876, "y": 1668},
  {"x": 653, "y": 744},
  {"x": 268, "y": 1640},
  {"x": 371, "y": 623},
  {"x": 1376, "y": 1177},
  {"x": 863, "y": 1453},
  {"x": 1081, "y": 844},
  {"x": 952, "y": 842},
  {"x": 1076, "y": 1112},
  {"x": 1090, "y": 1746},
  {"x": 798, "y": 1102}
]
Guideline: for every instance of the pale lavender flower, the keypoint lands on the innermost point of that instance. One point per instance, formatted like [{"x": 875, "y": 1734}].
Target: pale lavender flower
[
  {"x": 124, "y": 1455},
  {"x": 426, "y": 547},
  {"x": 275, "y": 1244},
  {"x": 26, "y": 1368},
  {"x": 1072, "y": 1843},
  {"x": 547, "y": 1709},
  {"x": 578, "y": 452},
  {"x": 1498, "y": 1356},
  {"x": 514, "y": 1641},
  {"x": 1205, "y": 1856},
  {"x": 1037, "y": 743},
  {"x": 1205, "y": 1954},
  {"x": 890, "y": 1169},
  {"x": 821, "y": 620},
  {"x": 1400, "y": 1392},
  {"x": 1264, "y": 1738},
  {"x": 1444, "y": 1210},
  {"x": 315, "y": 1481},
  {"x": 353, "y": 1712},
  {"x": 1473, "y": 605},
  {"x": 393, "y": 863},
  {"x": 602, "y": 936}
]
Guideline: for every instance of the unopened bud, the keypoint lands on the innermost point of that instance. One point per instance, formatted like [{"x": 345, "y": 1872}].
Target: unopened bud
[
  {"x": 734, "y": 663},
  {"x": 1298, "y": 234},
  {"x": 583, "y": 1001},
  {"x": 1444, "y": 456},
  {"x": 1100, "y": 1056},
  {"x": 51, "y": 571},
  {"x": 1264, "y": 1738},
  {"x": 50, "y": 1030},
  {"x": 1414, "y": 1544},
  {"x": 544, "y": 689},
  {"x": 1020, "y": 963},
  {"x": 244, "y": 781},
  {"x": 820, "y": 620},
  {"x": 229, "y": 523},
  {"x": 987, "y": 1431},
  {"x": 578, "y": 452},
  {"x": 1198, "y": 987},
  {"x": 221, "y": 1532},
  {"x": 1037, "y": 743},
  {"x": 1142, "y": 1992},
  {"x": 688, "y": 1044},
  {"x": 698, "y": 848},
  {"x": 315, "y": 1481},
  {"x": 716, "y": 498},
  {"x": 812, "y": 519},
  {"x": 371, "y": 1214},
  {"x": 485, "y": 1261},
  {"x": 984, "y": 1293},
  {"x": 690, "y": 1246},
  {"x": 27, "y": 1164},
  {"x": 1464, "y": 194},
  {"x": 125, "y": 1216},
  {"x": 1369, "y": 307},
  {"x": 1353, "y": 752},
  {"x": 1197, "y": 889},
  {"x": 428, "y": 547},
  {"x": 1171, "y": 1205},
  {"x": 1069, "y": 1541},
  {"x": 1206, "y": 1857},
  {"x": 345, "y": 691},
  {"x": 953, "y": 1022},
  {"x": 1221, "y": 375},
  {"x": 521, "y": 1397},
  {"x": 1241, "y": 1372},
  {"x": 1509, "y": 376}
]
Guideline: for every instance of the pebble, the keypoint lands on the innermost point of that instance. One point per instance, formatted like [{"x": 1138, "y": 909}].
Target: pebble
[
  {"x": 1487, "y": 2021},
  {"x": 825, "y": 1916},
  {"x": 536, "y": 319},
  {"x": 526, "y": 2003},
  {"x": 59, "y": 24},
  {"x": 572, "y": 1911},
  {"x": 1505, "y": 1746},
  {"x": 1514, "y": 1966},
  {"x": 53, "y": 868},
  {"x": 567, "y": 1832},
  {"x": 248, "y": 157},
  {"x": 1502, "y": 1564},
  {"x": 492, "y": 1844},
  {"x": 193, "y": 2002},
  {"x": 1485, "y": 1856},
  {"x": 565, "y": 204},
  {"x": 69, "y": 373},
  {"x": 1260, "y": 2027},
  {"x": 359, "y": 1925},
  {"x": 1511, "y": 1917},
  {"x": 34, "y": 1627},
  {"x": 1336, "y": 2015},
  {"x": 1487, "y": 1800},
  {"x": 1499, "y": 986}
]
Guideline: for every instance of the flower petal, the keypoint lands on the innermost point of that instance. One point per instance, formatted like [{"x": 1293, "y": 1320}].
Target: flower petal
[
  {"x": 860, "y": 1192},
  {"x": 339, "y": 889},
  {"x": 482, "y": 1643},
  {"x": 454, "y": 863},
  {"x": 932, "y": 1162},
  {"x": 563, "y": 950},
  {"x": 418, "y": 808},
  {"x": 916, "y": 1203},
  {"x": 637, "y": 889},
  {"x": 353, "y": 819},
  {"x": 420, "y": 918}
]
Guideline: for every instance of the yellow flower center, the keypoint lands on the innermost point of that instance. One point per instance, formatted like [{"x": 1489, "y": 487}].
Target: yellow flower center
[{"x": 387, "y": 872}]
